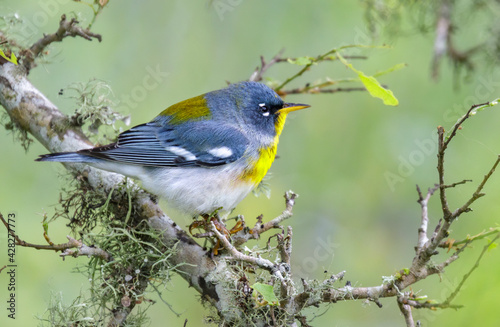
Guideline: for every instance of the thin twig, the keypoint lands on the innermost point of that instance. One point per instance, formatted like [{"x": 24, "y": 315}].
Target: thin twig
[
  {"x": 467, "y": 275},
  {"x": 458, "y": 183},
  {"x": 443, "y": 143},
  {"x": 285, "y": 246},
  {"x": 440, "y": 267},
  {"x": 406, "y": 311},
  {"x": 305, "y": 90},
  {"x": 477, "y": 194},
  {"x": 326, "y": 56},
  {"x": 203, "y": 235},
  {"x": 331, "y": 58},
  {"x": 257, "y": 75},
  {"x": 66, "y": 28},
  {"x": 459, "y": 123},
  {"x": 305, "y": 68},
  {"x": 84, "y": 250},
  {"x": 20, "y": 242},
  {"x": 275, "y": 223},
  {"x": 334, "y": 278},
  {"x": 237, "y": 255},
  {"x": 440, "y": 167},
  {"x": 285, "y": 250},
  {"x": 453, "y": 243},
  {"x": 65, "y": 248},
  {"x": 422, "y": 231},
  {"x": 429, "y": 305},
  {"x": 246, "y": 234},
  {"x": 442, "y": 229}
]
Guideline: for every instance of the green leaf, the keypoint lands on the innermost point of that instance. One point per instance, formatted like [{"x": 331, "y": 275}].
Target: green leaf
[
  {"x": 377, "y": 91},
  {"x": 372, "y": 85},
  {"x": 267, "y": 293},
  {"x": 301, "y": 61},
  {"x": 492, "y": 246},
  {"x": 12, "y": 58},
  {"x": 45, "y": 224}
]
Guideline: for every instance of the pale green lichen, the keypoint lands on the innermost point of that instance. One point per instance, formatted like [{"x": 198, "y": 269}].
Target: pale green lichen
[
  {"x": 94, "y": 110},
  {"x": 139, "y": 263}
]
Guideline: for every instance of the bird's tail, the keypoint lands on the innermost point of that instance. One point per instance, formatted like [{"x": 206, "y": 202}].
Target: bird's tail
[{"x": 66, "y": 157}]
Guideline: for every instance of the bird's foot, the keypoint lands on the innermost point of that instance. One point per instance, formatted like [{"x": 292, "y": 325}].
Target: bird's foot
[
  {"x": 204, "y": 225},
  {"x": 205, "y": 228}
]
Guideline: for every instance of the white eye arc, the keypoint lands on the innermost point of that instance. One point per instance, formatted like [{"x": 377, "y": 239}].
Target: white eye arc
[{"x": 264, "y": 109}]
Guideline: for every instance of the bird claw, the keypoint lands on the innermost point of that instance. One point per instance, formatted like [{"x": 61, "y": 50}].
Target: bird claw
[
  {"x": 236, "y": 228},
  {"x": 204, "y": 224}
]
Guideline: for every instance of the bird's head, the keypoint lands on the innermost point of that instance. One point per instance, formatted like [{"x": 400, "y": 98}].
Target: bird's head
[{"x": 252, "y": 104}]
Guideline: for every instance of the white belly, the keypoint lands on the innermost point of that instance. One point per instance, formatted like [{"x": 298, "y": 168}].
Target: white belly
[
  {"x": 199, "y": 190},
  {"x": 193, "y": 190}
]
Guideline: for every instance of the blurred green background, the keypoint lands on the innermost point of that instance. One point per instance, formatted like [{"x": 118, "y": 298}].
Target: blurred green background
[{"x": 336, "y": 155}]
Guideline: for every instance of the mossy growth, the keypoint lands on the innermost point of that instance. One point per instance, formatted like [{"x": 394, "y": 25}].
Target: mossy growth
[
  {"x": 139, "y": 259},
  {"x": 81, "y": 312},
  {"x": 94, "y": 112},
  {"x": 243, "y": 306}
]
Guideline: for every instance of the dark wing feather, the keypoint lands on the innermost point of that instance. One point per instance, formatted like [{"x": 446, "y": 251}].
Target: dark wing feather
[{"x": 148, "y": 145}]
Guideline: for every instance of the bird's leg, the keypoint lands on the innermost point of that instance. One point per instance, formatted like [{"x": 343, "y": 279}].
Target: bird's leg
[
  {"x": 204, "y": 224},
  {"x": 237, "y": 227},
  {"x": 220, "y": 226},
  {"x": 201, "y": 224},
  {"x": 215, "y": 250}
]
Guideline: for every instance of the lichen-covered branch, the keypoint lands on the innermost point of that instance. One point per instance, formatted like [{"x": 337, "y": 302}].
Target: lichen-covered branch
[
  {"x": 237, "y": 255},
  {"x": 34, "y": 113},
  {"x": 84, "y": 250}
]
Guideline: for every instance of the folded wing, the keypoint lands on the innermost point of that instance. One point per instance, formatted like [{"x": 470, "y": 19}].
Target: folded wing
[{"x": 201, "y": 143}]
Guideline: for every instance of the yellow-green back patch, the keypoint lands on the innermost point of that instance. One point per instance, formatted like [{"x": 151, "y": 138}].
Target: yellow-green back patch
[{"x": 190, "y": 109}]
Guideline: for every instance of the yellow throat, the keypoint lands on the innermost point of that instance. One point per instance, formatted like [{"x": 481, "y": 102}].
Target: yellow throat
[{"x": 256, "y": 170}]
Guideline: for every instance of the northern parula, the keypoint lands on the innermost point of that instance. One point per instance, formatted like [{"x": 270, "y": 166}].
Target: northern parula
[{"x": 201, "y": 154}]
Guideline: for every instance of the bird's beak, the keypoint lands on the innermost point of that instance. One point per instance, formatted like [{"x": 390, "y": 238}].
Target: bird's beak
[{"x": 289, "y": 107}]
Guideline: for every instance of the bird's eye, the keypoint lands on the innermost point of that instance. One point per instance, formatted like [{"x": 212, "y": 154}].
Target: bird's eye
[{"x": 264, "y": 109}]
